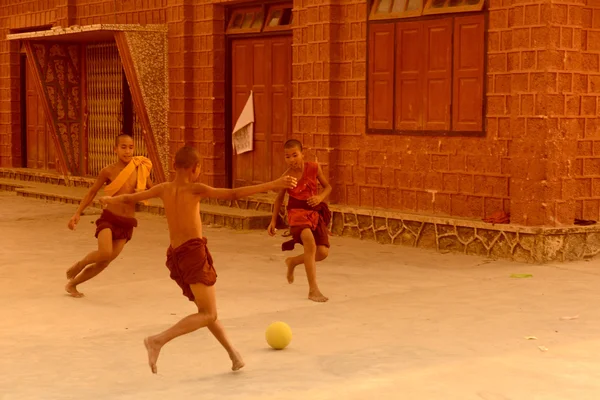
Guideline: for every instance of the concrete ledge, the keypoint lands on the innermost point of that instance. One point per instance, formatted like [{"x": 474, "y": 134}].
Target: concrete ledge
[
  {"x": 46, "y": 177},
  {"x": 234, "y": 218},
  {"x": 8, "y": 186},
  {"x": 444, "y": 234}
]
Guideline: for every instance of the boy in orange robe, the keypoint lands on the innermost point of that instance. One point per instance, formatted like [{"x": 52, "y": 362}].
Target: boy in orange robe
[{"x": 115, "y": 226}]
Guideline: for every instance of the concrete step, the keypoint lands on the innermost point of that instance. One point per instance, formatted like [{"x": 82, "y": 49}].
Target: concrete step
[
  {"x": 36, "y": 176},
  {"x": 235, "y": 218},
  {"x": 219, "y": 215}
]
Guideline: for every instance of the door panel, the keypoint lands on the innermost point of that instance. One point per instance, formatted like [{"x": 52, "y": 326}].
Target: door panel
[
  {"x": 41, "y": 152},
  {"x": 241, "y": 86},
  {"x": 262, "y": 65},
  {"x": 262, "y": 110}
]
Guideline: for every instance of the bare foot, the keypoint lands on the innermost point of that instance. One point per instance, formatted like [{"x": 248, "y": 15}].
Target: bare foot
[
  {"x": 153, "y": 352},
  {"x": 74, "y": 270},
  {"x": 236, "y": 361},
  {"x": 317, "y": 296},
  {"x": 72, "y": 290},
  {"x": 290, "y": 270}
]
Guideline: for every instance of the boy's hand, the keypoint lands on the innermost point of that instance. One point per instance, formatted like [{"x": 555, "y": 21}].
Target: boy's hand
[
  {"x": 314, "y": 201},
  {"x": 105, "y": 200},
  {"x": 286, "y": 182},
  {"x": 73, "y": 222},
  {"x": 271, "y": 229}
]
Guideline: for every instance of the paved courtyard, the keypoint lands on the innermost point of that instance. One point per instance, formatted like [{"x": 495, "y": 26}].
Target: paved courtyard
[{"x": 401, "y": 323}]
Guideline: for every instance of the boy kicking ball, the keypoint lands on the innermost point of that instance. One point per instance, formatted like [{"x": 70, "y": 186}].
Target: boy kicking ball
[{"x": 188, "y": 259}]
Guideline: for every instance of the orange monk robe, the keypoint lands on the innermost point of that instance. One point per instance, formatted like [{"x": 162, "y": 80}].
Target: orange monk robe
[{"x": 143, "y": 167}]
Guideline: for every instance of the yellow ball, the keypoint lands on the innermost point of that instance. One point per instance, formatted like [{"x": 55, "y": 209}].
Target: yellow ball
[{"x": 278, "y": 335}]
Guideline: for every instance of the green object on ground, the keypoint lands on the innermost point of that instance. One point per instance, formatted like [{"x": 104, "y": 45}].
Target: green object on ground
[{"x": 521, "y": 276}]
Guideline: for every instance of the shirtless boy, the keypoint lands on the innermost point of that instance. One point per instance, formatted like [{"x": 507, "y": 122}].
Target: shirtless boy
[
  {"x": 308, "y": 216},
  {"x": 115, "y": 226},
  {"x": 188, "y": 259}
]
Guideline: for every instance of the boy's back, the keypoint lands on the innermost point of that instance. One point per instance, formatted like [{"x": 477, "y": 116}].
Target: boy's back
[{"x": 182, "y": 208}]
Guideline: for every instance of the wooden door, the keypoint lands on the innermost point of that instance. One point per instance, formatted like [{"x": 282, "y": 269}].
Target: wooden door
[
  {"x": 262, "y": 65},
  {"x": 40, "y": 149}
]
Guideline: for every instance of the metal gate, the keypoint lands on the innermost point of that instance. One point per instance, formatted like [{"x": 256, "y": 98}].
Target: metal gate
[{"x": 105, "y": 103}]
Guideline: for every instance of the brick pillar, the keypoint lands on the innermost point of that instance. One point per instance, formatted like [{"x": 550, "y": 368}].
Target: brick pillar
[
  {"x": 543, "y": 127},
  {"x": 586, "y": 169},
  {"x": 349, "y": 164},
  {"x": 10, "y": 110},
  {"x": 568, "y": 80},
  {"x": 208, "y": 107},
  {"x": 317, "y": 79},
  {"x": 197, "y": 84},
  {"x": 5, "y": 101},
  {"x": 180, "y": 73},
  {"x": 66, "y": 12}
]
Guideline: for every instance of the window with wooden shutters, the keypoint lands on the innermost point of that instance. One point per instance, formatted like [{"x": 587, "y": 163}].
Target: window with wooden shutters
[{"x": 426, "y": 76}]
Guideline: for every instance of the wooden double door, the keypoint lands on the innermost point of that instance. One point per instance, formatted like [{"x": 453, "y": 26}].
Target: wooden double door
[
  {"x": 40, "y": 151},
  {"x": 262, "y": 65}
]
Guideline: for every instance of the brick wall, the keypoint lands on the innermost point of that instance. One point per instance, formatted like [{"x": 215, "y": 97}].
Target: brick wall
[
  {"x": 142, "y": 12},
  {"x": 586, "y": 167},
  {"x": 543, "y": 80}
]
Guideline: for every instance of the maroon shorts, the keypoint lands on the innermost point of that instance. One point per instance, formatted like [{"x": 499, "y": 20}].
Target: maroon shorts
[
  {"x": 121, "y": 227},
  {"x": 191, "y": 263}
]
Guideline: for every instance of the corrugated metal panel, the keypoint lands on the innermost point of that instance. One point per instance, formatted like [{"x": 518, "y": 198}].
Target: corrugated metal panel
[{"x": 105, "y": 106}]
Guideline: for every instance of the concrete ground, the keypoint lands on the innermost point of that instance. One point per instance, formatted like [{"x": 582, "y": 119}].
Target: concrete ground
[{"x": 401, "y": 323}]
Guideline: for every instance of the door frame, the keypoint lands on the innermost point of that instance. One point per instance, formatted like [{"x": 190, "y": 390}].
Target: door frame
[
  {"x": 23, "y": 105},
  {"x": 229, "y": 39}
]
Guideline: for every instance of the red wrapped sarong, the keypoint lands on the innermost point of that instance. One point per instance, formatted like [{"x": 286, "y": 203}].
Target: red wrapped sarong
[{"x": 191, "y": 263}]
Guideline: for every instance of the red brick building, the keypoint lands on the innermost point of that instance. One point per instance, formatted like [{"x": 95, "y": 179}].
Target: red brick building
[{"x": 438, "y": 107}]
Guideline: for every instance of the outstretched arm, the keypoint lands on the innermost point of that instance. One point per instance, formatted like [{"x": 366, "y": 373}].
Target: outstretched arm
[
  {"x": 285, "y": 182},
  {"x": 89, "y": 197},
  {"x": 315, "y": 200},
  {"x": 155, "y": 191}
]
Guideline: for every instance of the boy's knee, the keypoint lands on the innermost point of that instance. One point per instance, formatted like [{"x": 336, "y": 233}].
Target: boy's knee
[
  {"x": 322, "y": 252},
  {"x": 211, "y": 315},
  {"x": 104, "y": 257},
  {"x": 101, "y": 265}
]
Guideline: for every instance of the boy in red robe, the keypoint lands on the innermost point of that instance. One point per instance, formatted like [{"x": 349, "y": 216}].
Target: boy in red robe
[{"x": 308, "y": 216}]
